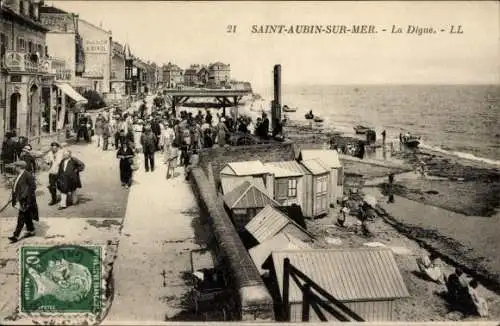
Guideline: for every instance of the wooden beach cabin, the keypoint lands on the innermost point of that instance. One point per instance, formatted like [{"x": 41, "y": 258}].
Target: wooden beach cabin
[
  {"x": 246, "y": 201},
  {"x": 232, "y": 172},
  {"x": 288, "y": 177},
  {"x": 271, "y": 221},
  {"x": 317, "y": 189},
  {"x": 367, "y": 280},
  {"x": 329, "y": 159}
]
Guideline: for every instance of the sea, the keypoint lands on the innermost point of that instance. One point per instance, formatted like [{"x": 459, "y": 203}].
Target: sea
[{"x": 461, "y": 120}]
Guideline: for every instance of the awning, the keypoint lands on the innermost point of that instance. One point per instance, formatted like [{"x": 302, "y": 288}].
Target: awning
[{"x": 70, "y": 91}]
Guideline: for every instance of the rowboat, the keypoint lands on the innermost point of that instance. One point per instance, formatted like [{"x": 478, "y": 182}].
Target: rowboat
[
  {"x": 286, "y": 108},
  {"x": 360, "y": 130},
  {"x": 410, "y": 141},
  {"x": 318, "y": 119}
]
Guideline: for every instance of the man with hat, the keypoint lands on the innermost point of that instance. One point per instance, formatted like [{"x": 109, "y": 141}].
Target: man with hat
[
  {"x": 24, "y": 200},
  {"x": 53, "y": 159},
  {"x": 28, "y": 158}
]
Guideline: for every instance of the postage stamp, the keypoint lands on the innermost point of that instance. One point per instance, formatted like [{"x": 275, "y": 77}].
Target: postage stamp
[{"x": 60, "y": 279}]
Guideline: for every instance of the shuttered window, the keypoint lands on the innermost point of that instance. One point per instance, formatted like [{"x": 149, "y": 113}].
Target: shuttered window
[
  {"x": 292, "y": 188},
  {"x": 281, "y": 189}
]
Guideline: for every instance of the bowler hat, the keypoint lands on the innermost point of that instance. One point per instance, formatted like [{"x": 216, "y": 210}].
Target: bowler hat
[{"x": 55, "y": 144}]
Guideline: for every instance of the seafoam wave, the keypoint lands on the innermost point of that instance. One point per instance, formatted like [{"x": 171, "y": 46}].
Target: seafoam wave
[{"x": 463, "y": 155}]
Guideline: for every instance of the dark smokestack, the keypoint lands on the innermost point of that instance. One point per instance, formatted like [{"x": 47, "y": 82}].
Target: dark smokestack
[{"x": 276, "y": 106}]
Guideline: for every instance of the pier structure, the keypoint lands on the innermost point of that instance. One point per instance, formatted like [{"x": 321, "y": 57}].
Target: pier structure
[{"x": 226, "y": 97}]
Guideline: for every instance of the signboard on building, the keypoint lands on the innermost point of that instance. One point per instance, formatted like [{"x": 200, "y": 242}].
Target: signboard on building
[
  {"x": 96, "y": 46},
  {"x": 58, "y": 22}
]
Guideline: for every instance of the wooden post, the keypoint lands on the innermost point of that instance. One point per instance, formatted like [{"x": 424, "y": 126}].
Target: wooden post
[
  {"x": 286, "y": 289},
  {"x": 306, "y": 296}
]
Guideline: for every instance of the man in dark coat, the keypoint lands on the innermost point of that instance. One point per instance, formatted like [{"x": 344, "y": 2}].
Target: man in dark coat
[
  {"x": 148, "y": 142},
  {"x": 68, "y": 178},
  {"x": 24, "y": 200},
  {"x": 156, "y": 129}
]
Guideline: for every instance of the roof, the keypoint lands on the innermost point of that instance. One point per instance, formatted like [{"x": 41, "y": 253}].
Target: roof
[
  {"x": 229, "y": 182},
  {"x": 248, "y": 195},
  {"x": 244, "y": 168},
  {"x": 330, "y": 158},
  {"x": 51, "y": 10},
  {"x": 347, "y": 274},
  {"x": 9, "y": 13},
  {"x": 314, "y": 166},
  {"x": 268, "y": 222},
  {"x": 281, "y": 241},
  {"x": 218, "y": 63},
  {"x": 281, "y": 172}
]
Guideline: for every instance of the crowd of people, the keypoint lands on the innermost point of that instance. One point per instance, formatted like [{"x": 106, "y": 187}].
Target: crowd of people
[{"x": 179, "y": 136}]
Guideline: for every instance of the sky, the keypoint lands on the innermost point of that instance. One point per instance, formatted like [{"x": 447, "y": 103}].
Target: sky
[{"x": 196, "y": 32}]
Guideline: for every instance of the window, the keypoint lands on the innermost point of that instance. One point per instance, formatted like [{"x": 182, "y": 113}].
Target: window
[
  {"x": 30, "y": 47},
  {"x": 286, "y": 188},
  {"x": 21, "y": 44},
  {"x": 321, "y": 184},
  {"x": 3, "y": 44},
  {"x": 40, "y": 49},
  {"x": 21, "y": 7}
]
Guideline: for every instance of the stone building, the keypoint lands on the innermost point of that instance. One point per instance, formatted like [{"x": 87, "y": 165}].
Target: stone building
[
  {"x": 26, "y": 70},
  {"x": 219, "y": 74},
  {"x": 172, "y": 75},
  {"x": 118, "y": 70},
  {"x": 97, "y": 48}
]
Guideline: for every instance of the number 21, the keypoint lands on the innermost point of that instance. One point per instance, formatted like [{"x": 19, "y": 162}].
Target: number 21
[{"x": 231, "y": 28}]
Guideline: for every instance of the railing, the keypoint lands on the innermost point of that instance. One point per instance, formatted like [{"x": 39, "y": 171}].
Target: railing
[
  {"x": 27, "y": 62},
  {"x": 311, "y": 299}
]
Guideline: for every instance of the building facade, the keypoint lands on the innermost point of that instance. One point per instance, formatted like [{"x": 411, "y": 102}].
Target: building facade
[
  {"x": 191, "y": 75},
  {"x": 118, "y": 70},
  {"x": 172, "y": 75},
  {"x": 26, "y": 69},
  {"x": 97, "y": 44},
  {"x": 219, "y": 74},
  {"x": 65, "y": 43}
]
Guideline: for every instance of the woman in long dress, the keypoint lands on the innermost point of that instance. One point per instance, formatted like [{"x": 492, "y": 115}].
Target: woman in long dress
[{"x": 126, "y": 156}]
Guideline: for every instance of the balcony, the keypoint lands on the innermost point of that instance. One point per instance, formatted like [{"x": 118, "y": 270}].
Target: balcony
[{"x": 27, "y": 62}]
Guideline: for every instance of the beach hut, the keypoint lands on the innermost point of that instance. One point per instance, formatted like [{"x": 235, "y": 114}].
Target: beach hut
[
  {"x": 254, "y": 169},
  {"x": 288, "y": 179},
  {"x": 261, "y": 253},
  {"x": 271, "y": 221},
  {"x": 246, "y": 201},
  {"x": 365, "y": 280},
  {"x": 329, "y": 159},
  {"x": 317, "y": 189}
]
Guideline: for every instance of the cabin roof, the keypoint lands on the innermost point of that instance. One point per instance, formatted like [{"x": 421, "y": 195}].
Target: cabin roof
[
  {"x": 329, "y": 158},
  {"x": 248, "y": 195},
  {"x": 229, "y": 182},
  {"x": 270, "y": 221},
  {"x": 281, "y": 241},
  {"x": 281, "y": 171},
  {"x": 315, "y": 166},
  {"x": 363, "y": 274},
  {"x": 244, "y": 168}
]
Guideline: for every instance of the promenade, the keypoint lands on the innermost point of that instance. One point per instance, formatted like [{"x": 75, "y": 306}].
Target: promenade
[{"x": 158, "y": 233}]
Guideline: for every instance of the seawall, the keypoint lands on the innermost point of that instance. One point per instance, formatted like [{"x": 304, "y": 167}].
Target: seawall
[{"x": 253, "y": 299}]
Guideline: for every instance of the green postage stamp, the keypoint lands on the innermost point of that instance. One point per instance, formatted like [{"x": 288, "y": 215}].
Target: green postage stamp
[{"x": 61, "y": 279}]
